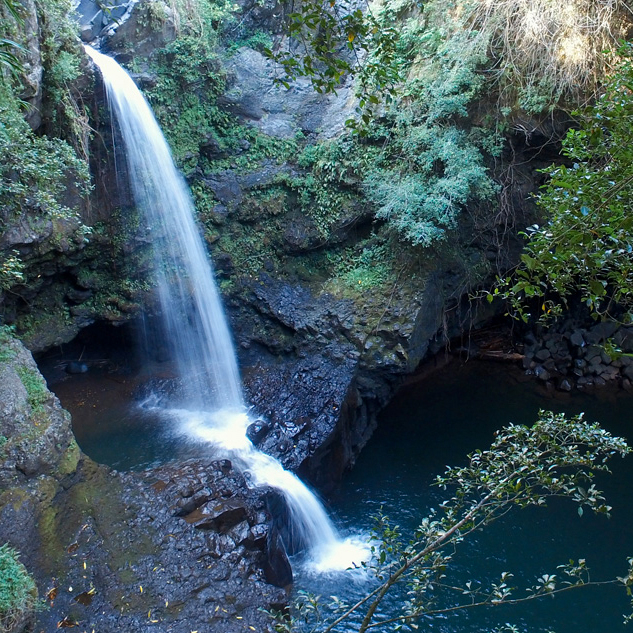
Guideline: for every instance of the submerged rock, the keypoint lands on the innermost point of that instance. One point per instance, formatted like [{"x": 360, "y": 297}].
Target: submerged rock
[{"x": 75, "y": 367}]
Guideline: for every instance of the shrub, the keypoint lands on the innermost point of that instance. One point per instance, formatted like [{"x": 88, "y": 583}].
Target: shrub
[
  {"x": 17, "y": 590},
  {"x": 36, "y": 171},
  {"x": 584, "y": 248}
]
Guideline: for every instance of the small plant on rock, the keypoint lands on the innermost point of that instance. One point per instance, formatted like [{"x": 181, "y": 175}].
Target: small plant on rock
[{"x": 17, "y": 590}]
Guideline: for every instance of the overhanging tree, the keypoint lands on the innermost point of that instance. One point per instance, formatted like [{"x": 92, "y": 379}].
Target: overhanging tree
[
  {"x": 525, "y": 466},
  {"x": 583, "y": 251}
]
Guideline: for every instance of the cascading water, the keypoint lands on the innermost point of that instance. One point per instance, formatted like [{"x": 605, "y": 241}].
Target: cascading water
[{"x": 194, "y": 321}]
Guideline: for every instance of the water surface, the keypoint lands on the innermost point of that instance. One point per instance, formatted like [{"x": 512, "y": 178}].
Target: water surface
[{"x": 436, "y": 422}]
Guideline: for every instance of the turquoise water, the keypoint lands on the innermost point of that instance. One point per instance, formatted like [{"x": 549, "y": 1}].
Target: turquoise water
[{"x": 438, "y": 421}]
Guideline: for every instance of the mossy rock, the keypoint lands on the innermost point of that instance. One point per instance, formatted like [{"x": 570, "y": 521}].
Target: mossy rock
[{"x": 35, "y": 432}]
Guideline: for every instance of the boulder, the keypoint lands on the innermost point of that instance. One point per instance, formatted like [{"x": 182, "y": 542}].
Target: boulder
[
  {"x": 221, "y": 516},
  {"x": 541, "y": 373},
  {"x": 601, "y": 332},
  {"x": 254, "y": 96}
]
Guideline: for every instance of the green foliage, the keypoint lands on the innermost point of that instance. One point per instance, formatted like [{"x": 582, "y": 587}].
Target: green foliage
[
  {"x": 434, "y": 162},
  {"x": 10, "y": 51},
  {"x": 525, "y": 466},
  {"x": 61, "y": 58},
  {"x": 11, "y": 270},
  {"x": 62, "y": 74},
  {"x": 539, "y": 52},
  {"x": 445, "y": 172},
  {"x": 184, "y": 98},
  {"x": 584, "y": 250},
  {"x": 204, "y": 18},
  {"x": 36, "y": 170},
  {"x": 334, "y": 35},
  {"x": 258, "y": 40},
  {"x": 440, "y": 60},
  {"x": 423, "y": 161},
  {"x": 40, "y": 174},
  {"x": 17, "y": 589},
  {"x": 328, "y": 190},
  {"x": 6, "y": 335},
  {"x": 359, "y": 270},
  {"x": 190, "y": 78}
]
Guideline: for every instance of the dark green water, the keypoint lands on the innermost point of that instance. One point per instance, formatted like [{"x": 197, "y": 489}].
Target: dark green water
[
  {"x": 437, "y": 422},
  {"x": 112, "y": 426}
]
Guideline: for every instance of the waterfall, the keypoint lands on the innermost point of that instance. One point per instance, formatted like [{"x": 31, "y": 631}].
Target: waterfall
[{"x": 194, "y": 322}]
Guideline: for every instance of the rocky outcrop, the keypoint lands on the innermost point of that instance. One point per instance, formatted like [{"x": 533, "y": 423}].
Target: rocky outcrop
[
  {"x": 189, "y": 545},
  {"x": 35, "y": 435},
  {"x": 255, "y": 97},
  {"x": 318, "y": 368},
  {"x": 181, "y": 548},
  {"x": 34, "y": 70}
]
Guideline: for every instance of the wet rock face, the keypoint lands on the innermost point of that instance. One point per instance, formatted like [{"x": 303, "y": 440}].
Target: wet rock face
[
  {"x": 190, "y": 544},
  {"x": 35, "y": 435},
  {"x": 181, "y": 547},
  {"x": 254, "y": 96},
  {"x": 571, "y": 356},
  {"x": 321, "y": 385},
  {"x": 142, "y": 28},
  {"x": 33, "y": 65},
  {"x": 301, "y": 402}
]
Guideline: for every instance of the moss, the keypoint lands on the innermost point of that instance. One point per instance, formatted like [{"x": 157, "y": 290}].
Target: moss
[
  {"x": 361, "y": 268},
  {"x": 272, "y": 201},
  {"x": 52, "y": 316},
  {"x": 52, "y": 547},
  {"x": 36, "y": 390},
  {"x": 14, "y": 496},
  {"x": 7, "y": 351},
  {"x": 70, "y": 459},
  {"x": 249, "y": 249}
]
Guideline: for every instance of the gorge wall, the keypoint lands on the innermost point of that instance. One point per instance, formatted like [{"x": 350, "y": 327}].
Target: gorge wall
[{"x": 328, "y": 306}]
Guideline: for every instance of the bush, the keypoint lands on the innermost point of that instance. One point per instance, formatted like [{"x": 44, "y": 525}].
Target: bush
[
  {"x": 17, "y": 590},
  {"x": 37, "y": 172},
  {"x": 584, "y": 249}
]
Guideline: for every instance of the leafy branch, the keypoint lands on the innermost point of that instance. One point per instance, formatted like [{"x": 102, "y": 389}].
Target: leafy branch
[
  {"x": 525, "y": 466},
  {"x": 584, "y": 249},
  {"x": 339, "y": 38}
]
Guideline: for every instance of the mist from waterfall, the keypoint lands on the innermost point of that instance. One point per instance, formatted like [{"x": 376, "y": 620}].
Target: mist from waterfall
[{"x": 194, "y": 322}]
